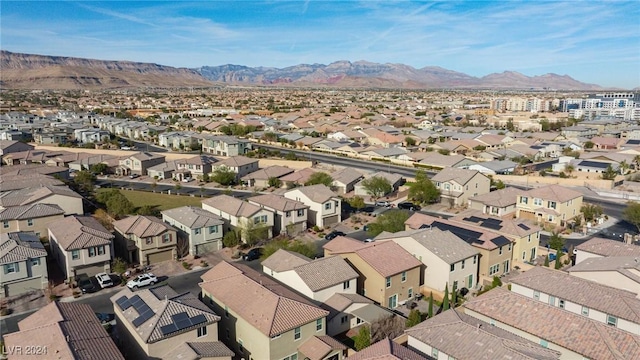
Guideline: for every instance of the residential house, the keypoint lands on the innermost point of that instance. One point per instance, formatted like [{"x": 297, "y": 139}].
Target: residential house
[
  {"x": 499, "y": 167},
  {"x": 601, "y": 247},
  {"x": 349, "y": 311},
  {"x": 499, "y": 203},
  {"x": 195, "y": 167},
  {"x": 261, "y": 178},
  {"x": 17, "y": 182},
  {"x": 225, "y": 145},
  {"x": 24, "y": 263},
  {"x": 163, "y": 171},
  {"x": 159, "y": 323},
  {"x": 575, "y": 337},
  {"x": 344, "y": 180},
  {"x": 595, "y": 166},
  {"x": 67, "y": 199},
  {"x": 446, "y": 259},
  {"x": 179, "y": 140},
  {"x": 81, "y": 245},
  {"x": 552, "y": 204},
  {"x": 92, "y": 135},
  {"x": 453, "y": 334},
  {"x": 138, "y": 163},
  {"x": 395, "y": 180},
  {"x": 241, "y": 215},
  {"x": 11, "y": 146},
  {"x": 458, "y": 185},
  {"x": 61, "y": 330},
  {"x": 289, "y": 216},
  {"x": 146, "y": 240},
  {"x": 317, "y": 279},
  {"x": 621, "y": 272},
  {"x": 577, "y": 131},
  {"x": 241, "y": 165},
  {"x": 299, "y": 177},
  {"x": 323, "y": 347},
  {"x": 389, "y": 275},
  {"x": 273, "y": 323},
  {"x": 386, "y": 349},
  {"x": 325, "y": 207},
  {"x": 34, "y": 218},
  {"x": 439, "y": 161},
  {"x": 201, "y": 229},
  {"x": 598, "y": 302}
]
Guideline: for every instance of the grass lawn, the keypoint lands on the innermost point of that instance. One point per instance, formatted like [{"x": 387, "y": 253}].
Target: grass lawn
[{"x": 157, "y": 200}]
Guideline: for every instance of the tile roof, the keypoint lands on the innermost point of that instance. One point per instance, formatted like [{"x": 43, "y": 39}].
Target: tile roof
[
  {"x": 386, "y": 349},
  {"x": 325, "y": 272},
  {"x": 236, "y": 161},
  {"x": 387, "y": 258},
  {"x": 20, "y": 246},
  {"x": 445, "y": 161},
  {"x": 318, "y": 193},
  {"x": 27, "y": 196},
  {"x": 142, "y": 226},
  {"x": 499, "y": 198},
  {"x": 343, "y": 244},
  {"x": 16, "y": 182},
  {"x": 318, "y": 347},
  {"x": 66, "y": 331},
  {"x": 502, "y": 225},
  {"x": 164, "y": 307},
  {"x": 620, "y": 303},
  {"x": 32, "y": 211},
  {"x": 268, "y": 173},
  {"x": 277, "y": 202},
  {"x": 461, "y": 176},
  {"x": 265, "y": 304},
  {"x": 554, "y": 193},
  {"x": 80, "y": 232},
  {"x": 626, "y": 265},
  {"x": 577, "y": 333},
  {"x": 606, "y": 247},
  {"x": 199, "y": 350},
  {"x": 193, "y": 217},
  {"x": 232, "y": 206},
  {"x": 466, "y": 338},
  {"x": 144, "y": 156},
  {"x": 339, "y": 302},
  {"x": 443, "y": 244},
  {"x": 346, "y": 175},
  {"x": 300, "y": 176},
  {"x": 283, "y": 260}
]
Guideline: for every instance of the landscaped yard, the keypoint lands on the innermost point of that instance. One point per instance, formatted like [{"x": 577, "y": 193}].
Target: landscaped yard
[{"x": 157, "y": 200}]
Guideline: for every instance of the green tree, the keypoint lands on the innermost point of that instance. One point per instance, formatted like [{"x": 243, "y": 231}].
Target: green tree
[
  {"x": 410, "y": 141},
  {"x": 148, "y": 210},
  {"x": 357, "y": 202},
  {"x": 377, "y": 186},
  {"x": 632, "y": 213},
  {"x": 224, "y": 176},
  {"x": 391, "y": 221},
  {"x": 589, "y": 145},
  {"x": 275, "y": 182},
  {"x": 363, "y": 339},
  {"x": 546, "y": 261},
  {"x": 230, "y": 239},
  {"x": 414, "y": 318},
  {"x": 84, "y": 181},
  {"x": 99, "y": 168},
  {"x": 252, "y": 232},
  {"x": 305, "y": 248},
  {"x": 559, "y": 256},
  {"x": 423, "y": 191},
  {"x": 609, "y": 173},
  {"x": 510, "y": 125},
  {"x": 118, "y": 266},
  {"x": 319, "y": 178},
  {"x": 591, "y": 211},
  {"x": 556, "y": 241},
  {"x": 119, "y": 205},
  {"x": 430, "y": 309},
  {"x": 445, "y": 299}
]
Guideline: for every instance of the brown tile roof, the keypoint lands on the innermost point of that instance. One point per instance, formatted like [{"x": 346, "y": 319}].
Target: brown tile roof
[
  {"x": 20, "y": 246},
  {"x": 271, "y": 308},
  {"x": 325, "y": 272},
  {"x": 16, "y": 182},
  {"x": 620, "y": 303},
  {"x": 144, "y": 156},
  {"x": 577, "y": 333},
  {"x": 503, "y": 225},
  {"x": 461, "y": 176},
  {"x": 66, "y": 331},
  {"x": 343, "y": 244},
  {"x": 199, "y": 350},
  {"x": 277, "y": 202},
  {"x": 346, "y": 175},
  {"x": 339, "y": 302},
  {"x": 80, "y": 232},
  {"x": 317, "y": 347},
  {"x": 193, "y": 217},
  {"x": 142, "y": 226},
  {"x": 606, "y": 247},
  {"x": 300, "y": 176},
  {"x": 232, "y": 206},
  {"x": 268, "y": 173},
  {"x": 466, "y": 338},
  {"x": 29, "y": 170},
  {"x": 283, "y": 260},
  {"x": 443, "y": 244},
  {"x": 27, "y": 196},
  {"x": 499, "y": 198},
  {"x": 236, "y": 161},
  {"x": 386, "y": 349},
  {"x": 554, "y": 193},
  {"x": 388, "y": 258},
  {"x": 32, "y": 211},
  {"x": 319, "y": 193}
]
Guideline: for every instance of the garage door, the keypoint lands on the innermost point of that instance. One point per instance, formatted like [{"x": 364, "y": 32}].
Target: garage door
[
  {"x": 160, "y": 257},
  {"x": 208, "y": 247},
  {"x": 330, "y": 220},
  {"x": 90, "y": 270},
  {"x": 527, "y": 215},
  {"x": 23, "y": 287}
]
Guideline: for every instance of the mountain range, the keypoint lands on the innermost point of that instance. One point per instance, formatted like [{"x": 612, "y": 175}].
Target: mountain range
[{"x": 28, "y": 71}]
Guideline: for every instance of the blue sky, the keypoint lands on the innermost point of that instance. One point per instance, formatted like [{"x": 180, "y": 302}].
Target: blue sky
[{"x": 593, "y": 41}]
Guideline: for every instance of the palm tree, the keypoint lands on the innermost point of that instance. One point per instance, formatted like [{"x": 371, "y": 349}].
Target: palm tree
[
  {"x": 636, "y": 161},
  {"x": 624, "y": 167},
  {"x": 569, "y": 169}
]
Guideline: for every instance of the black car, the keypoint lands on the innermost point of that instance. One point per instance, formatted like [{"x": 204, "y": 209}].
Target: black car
[
  {"x": 407, "y": 205},
  {"x": 88, "y": 284},
  {"x": 334, "y": 234},
  {"x": 252, "y": 254},
  {"x": 106, "y": 317}
]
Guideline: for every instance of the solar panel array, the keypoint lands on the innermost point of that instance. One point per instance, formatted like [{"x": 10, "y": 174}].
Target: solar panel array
[
  {"x": 144, "y": 311},
  {"x": 182, "y": 321},
  {"x": 493, "y": 224},
  {"x": 124, "y": 303},
  {"x": 469, "y": 236},
  {"x": 523, "y": 226},
  {"x": 473, "y": 219}
]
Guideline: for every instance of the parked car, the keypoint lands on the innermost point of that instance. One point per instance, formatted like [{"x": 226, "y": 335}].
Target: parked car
[
  {"x": 88, "y": 284},
  {"x": 383, "y": 203},
  {"x": 252, "y": 254},
  {"x": 142, "y": 280},
  {"x": 104, "y": 280},
  {"x": 334, "y": 234},
  {"x": 106, "y": 318},
  {"x": 368, "y": 240},
  {"x": 407, "y": 205},
  {"x": 133, "y": 176}
]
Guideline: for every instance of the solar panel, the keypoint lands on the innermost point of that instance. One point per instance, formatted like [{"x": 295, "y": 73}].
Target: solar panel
[
  {"x": 474, "y": 219},
  {"x": 138, "y": 321},
  {"x": 168, "y": 329},
  {"x": 183, "y": 324},
  {"x": 123, "y": 302},
  {"x": 490, "y": 225},
  {"x": 594, "y": 164},
  {"x": 501, "y": 241},
  {"x": 136, "y": 301},
  {"x": 467, "y": 235},
  {"x": 180, "y": 316},
  {"x": 198, "y": 319},
  {"x": 523, "y": 226},
  {"x": 492, "y": 221},
  {"x": 148, "y": 314}
]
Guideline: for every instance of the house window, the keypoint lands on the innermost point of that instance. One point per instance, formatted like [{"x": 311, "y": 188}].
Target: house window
[
  {"x": 5, "y": 224},
  {"x": 148, "y": 241},
  {"x": 455, "y": 284},
  {"x": 552, "y": 300},
  {"x": 101, "y": 250},
  {"x": 388, "y": 282},
  {"x": 474, "y": 259},
  {"x": 404, "y": 276},
  {"x": 213, "y": 229},
  {"x": 536, "y": 295},
  {"x": 297, "y": 334},
  {"x": 544, "y": 343},
  {"x": 92, "y": 251},
  {"x": 301, "y": 212},
  {"x": 327, "y": 206},
  {"x": 346, "y": 285},
  {"x": 166, "y": 238},
  {"x": 612, "y": 320},
  {"x": 462, "y": 264},
  {"x": 318, "y": 324},
  {"x": 197, "y": 231},
  {"x": 11, "y": 268},
  {"x": 202, "y": 331},
  {"x": 537, "y": 202},
  {"x": 524, "y": 200},
  {"x": 529, "y": 240},
  {"x": 75, "y": 254},
  {"x": 287, "y": 214},
  {"x": 500, "y": 251},
  {"x": 551, "y": 204},
  {"x": 240, "y": 345},
  {"x": 585, "y": 311},
  {"x": 344, "y": 319},
  {"x": 435, "y": 352},
  {"x": 561, "y": 304},
  {"x": 452, "y": 267},
  {"x": 35, "y": 262},
  {"x": 550, "y": 218},
  {"x": 494, "y": 269},
  {"x": 29, "y": 222},
  {"x": 410, "y": 293}
]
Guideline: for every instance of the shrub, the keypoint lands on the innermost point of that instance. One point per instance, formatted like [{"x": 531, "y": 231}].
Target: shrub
[
  {"x": 230, "y": 239},
  {"x": 186, "y": 265},
  {"x": 316, "y": 228}
]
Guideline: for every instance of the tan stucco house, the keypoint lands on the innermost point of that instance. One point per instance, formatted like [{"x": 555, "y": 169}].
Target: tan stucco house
[
  {"x": 553, "y": 205},
  {"x": 289, "y": 216},
  {"x": 458, "y": 185},
  {"x": 240, "y": 215},
  {"x": 24, "y": 263},
  {"x": 146, "y": 239},
  {"x": 325, "y": 207},
  {"x": 35, "y": 217}
]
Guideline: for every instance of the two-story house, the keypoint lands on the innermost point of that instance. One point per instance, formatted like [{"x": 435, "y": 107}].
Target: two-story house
[
  {"x": 67, "y": 199},
  {"x": 201, "y": 229},
  {"x": 273, "y": 322},
  {"x": 498, "y": 203},
  {"x": 344, "y": 180},
  {"x": 289, "y": 216},
  {"x": 195, "y": 167},
  {"x": 325, "y": 207},
  {"x": 458, "y": 185},
  {"x": 34, "y": 217},
  {"x": 160, "y": 323},
  {"x": 349, "y": 311},
  {"x": 225, "y": 145},
  {"x": 24, "y": 263},
  {"x": 389, "y": 275},
  {"x": 81, "y": 245},
  {"x": 446, "y": 259},
  {"x": 146, "y": 239},
  {"x": 138, "y": 163},
  {"x": 317, "y": 279},
  {"x": 552, "y": 204},
  {"x": 239, "y": 215},
  {"x": 261, "y": 178},
  {"x": 241, "y": 165}
]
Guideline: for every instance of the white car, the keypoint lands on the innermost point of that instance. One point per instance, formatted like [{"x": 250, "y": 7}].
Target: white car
[
  {"x": 104, "y": 280},
  {"x": 142, "y": 280}
]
